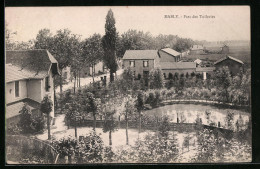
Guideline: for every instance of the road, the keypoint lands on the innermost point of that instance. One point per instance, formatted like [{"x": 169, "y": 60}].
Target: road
[{"x": 87, "y": 80}]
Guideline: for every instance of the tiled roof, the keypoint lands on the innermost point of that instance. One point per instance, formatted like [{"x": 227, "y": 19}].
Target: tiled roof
[
  {"x": 37, "y": 62},
  {"x": 14, "y": 108},
  {"x": 228, "y": 57},
  {"x": 197, "y": 47},
  {"x": 205, "y": 69},
  {"x": 177, "y": 65},
  {"x": 171, "y": 51},
  {"x": 140, "y": 54},
  {"x": 14, "y": 73}
]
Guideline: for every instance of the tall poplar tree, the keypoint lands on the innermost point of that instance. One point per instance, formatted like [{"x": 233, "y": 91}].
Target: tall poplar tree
[{"x": 109, "y": 44}]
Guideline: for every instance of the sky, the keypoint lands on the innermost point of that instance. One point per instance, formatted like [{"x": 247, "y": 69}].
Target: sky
[{"x": 228, "y": 22}]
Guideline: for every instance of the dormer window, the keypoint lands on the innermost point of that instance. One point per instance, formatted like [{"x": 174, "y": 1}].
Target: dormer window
[
  {"x": 146, "y": 63},
  {"x": 132, "y": 63}
]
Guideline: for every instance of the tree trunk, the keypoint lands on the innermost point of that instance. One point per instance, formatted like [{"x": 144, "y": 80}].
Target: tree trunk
[
  {"x": 110, "y": 137},
  {"x": 75, "y": 124},
  {"x": 61, "y": 83},
  {"x": 126, "y": 129},
  {"x": 75, "y": 78},
  {"x": 79, "y": 78},
  {"x": 94, "y": 122},
  {"x": 111, "y": 76},
  {"x": 48, "y": 125},
  {"x": 93, "y": 73},
  {"x": 140, "y": 121},
  {"x": 68, "y": 121}
]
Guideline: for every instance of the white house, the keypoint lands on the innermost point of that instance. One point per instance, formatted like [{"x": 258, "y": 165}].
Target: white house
[{"x": 28, "y": 77}]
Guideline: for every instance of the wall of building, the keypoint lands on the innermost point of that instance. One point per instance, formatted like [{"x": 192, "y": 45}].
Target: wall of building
[
  {"x": 10, "y": 91},
  {"x": 98, "y": 68},
  {"x": 165, "y": 57},
  {"x": 49, "y": 93},
  {"x": 66, "y": 74},
  {"x": 139, "y": 66},
  {"x": 179, "y": 71},
  {"x": 196, "y": 52},
  {"x": 234, "y": 67},
  {"x": 34, "y": 89}
]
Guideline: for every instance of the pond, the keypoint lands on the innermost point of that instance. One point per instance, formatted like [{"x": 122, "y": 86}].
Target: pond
[{"x": 187, "y": 113}]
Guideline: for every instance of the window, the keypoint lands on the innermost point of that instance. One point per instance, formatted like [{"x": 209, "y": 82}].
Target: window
[
  {"x": 145, "y": 63},
  {"x": 132, "y": 63},
  {"x": 47, "y": 84},
  {"x": 16, "y": 89}
]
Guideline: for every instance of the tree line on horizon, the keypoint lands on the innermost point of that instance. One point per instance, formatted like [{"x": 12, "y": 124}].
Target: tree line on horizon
[{"x": 71, "y": 50}]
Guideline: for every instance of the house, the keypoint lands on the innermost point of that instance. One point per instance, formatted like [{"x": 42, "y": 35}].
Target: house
[
  {"x": 232, "y": 63},
  {"x": 197, "y": 50},
  {"x": 168, "y": 60},
  {"x": 225, "y": 49},
  {"x": 98, "y": 68},
  {"x": 141, "y": 62},
  {"x": 29, "y": 77},
  {"x": 170, "y": 68},
  {"x": 169, "y": 55},
  {"x": 205, "y": 71}
]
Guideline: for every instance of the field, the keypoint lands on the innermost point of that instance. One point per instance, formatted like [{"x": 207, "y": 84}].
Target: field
[{"x": 242, "y": 53}]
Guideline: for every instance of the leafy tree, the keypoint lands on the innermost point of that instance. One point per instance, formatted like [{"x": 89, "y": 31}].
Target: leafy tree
[
  {"x": 25, "y": 122},
  {"x": 229, "y": 120},
  {"x": 164, "y": 127},
  {"x": 156, "y": 149},
  {"x": 139, "y": 104},
  {"x": 206, "y": 146},
  {"x": 63, "y": 46},
  {"x": 109, "y": 124},
  {"x": 46, "y": 108},
  {"x": 129, "y": 111},
  {"x": 109, "y": 44},
  {"x": 156, "y": 79},
  {"x": 92, "y": 105},
  {"x": 128, "y": 77},
  {"x": 93, "y": 51},
  {"x": 73, "y": 110},
  {"x": 9, "y": 43},
  {"x": 223, "y": 81}
]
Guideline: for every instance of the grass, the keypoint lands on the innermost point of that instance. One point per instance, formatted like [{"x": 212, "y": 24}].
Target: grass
[{"x": 242, "y": 53}]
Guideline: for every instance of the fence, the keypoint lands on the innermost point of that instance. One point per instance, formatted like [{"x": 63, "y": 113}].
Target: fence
[
  {"x": 21, "y": 147},
  {"x": 180, "y": 127}
]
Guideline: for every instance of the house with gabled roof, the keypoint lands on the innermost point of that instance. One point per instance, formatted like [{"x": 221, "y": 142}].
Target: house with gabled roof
[
  {"x": 29, "y": 77},
  {"x": 234, "y": 65},
  {"x": 168, "y": 60},
  {"x": 141, "y": 62},
  {"x": 197, "y": 50},
  {"x": 169, "y": 55}
]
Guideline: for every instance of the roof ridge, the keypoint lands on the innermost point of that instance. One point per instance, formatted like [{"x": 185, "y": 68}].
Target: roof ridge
[{"x": 25, "y": 50}]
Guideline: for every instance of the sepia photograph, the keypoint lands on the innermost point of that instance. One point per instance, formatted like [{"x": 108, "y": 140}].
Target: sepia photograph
[{"x": 127, "y": 84}]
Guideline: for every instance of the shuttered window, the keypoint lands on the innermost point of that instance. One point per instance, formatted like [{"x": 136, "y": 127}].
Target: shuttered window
[{"x": 17, "y": 89}]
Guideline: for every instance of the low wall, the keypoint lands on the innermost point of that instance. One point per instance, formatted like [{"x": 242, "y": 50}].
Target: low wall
[{"x": 19, "y": 147}]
